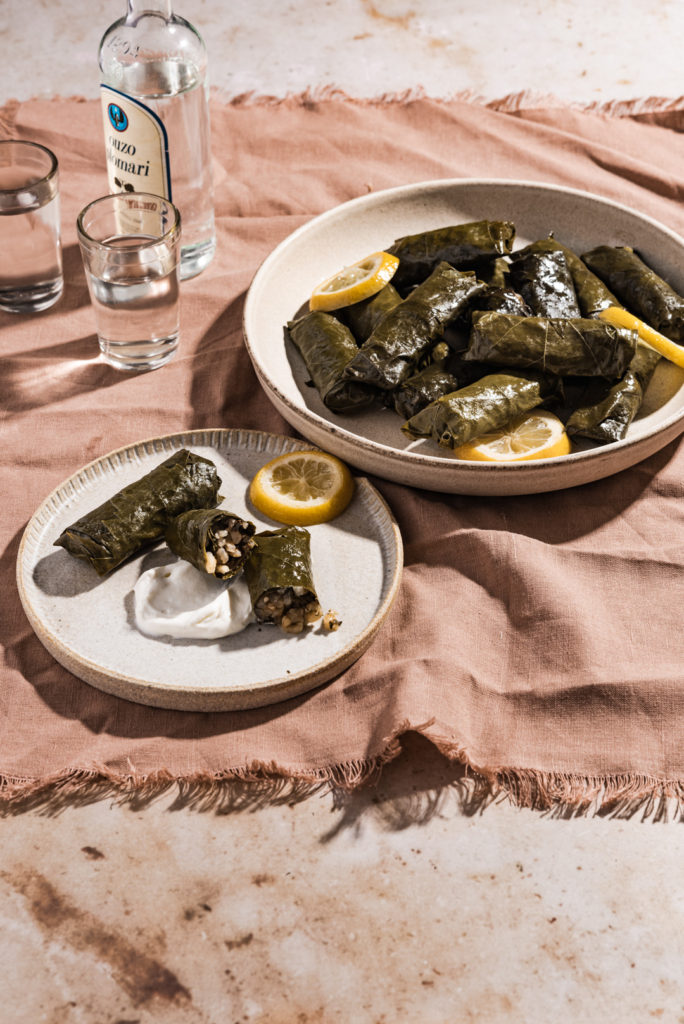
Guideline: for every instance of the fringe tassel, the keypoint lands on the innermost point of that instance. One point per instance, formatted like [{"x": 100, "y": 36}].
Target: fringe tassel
[
  {"x": 258, "y": 784},
  {"x": 8, "y": 115},
  {"x": 616, "y": 796},
  {"x": 526, "y": 99}
]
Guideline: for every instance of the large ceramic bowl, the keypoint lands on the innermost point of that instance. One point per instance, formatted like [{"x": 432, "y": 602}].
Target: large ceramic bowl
[{"x": 372, "y": 441}]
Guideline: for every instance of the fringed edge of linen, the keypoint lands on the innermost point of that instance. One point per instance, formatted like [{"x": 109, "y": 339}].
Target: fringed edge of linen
[
  {"x": 511, "y": 103},
  {"x": 525, "y": 99},
  {"x": 258, "y": 784},
  {"x": 8, "y": 114},
  {"x": 562, "y": 794}
]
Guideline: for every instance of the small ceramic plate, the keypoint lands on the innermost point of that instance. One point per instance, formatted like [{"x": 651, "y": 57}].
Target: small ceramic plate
[
  {"x": 372, "y": 440},
  {"x": 87, "y": 623}
]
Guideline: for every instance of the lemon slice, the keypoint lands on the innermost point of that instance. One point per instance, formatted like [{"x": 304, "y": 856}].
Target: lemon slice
[
  {"x": 354, "y": 283},
  {"x": 534, "y": 435},
  {"x": 302, "y": 488},
  {"x": 653, "y": 338}
]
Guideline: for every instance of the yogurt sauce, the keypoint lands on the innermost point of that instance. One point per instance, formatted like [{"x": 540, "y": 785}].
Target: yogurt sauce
[{"x": 179, "y": 601}]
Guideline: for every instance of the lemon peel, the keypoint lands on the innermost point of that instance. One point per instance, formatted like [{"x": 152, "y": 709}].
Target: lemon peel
[{"x": 621, "y": 318}]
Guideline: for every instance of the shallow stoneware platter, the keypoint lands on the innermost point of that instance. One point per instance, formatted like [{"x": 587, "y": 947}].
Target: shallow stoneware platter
[
  {"x": 87, "y": 623},
  {"x": 372, "y": 440}
]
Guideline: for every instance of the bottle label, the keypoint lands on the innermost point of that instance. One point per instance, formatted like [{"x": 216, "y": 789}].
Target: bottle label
[{"x": 137, "y": 146}]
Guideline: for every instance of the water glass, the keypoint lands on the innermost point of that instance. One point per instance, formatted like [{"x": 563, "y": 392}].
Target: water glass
[
  {"x": 130, "y": 244},
  {"x": 30, "y": 252}
]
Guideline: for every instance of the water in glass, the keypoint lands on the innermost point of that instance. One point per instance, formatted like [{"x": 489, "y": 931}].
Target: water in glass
[
  {"x": 136, "y": 302},
  {"x": 30, "y": 254}
]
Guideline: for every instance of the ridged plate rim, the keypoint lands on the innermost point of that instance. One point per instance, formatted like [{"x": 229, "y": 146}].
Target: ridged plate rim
[{"x": 201, "y": 697}]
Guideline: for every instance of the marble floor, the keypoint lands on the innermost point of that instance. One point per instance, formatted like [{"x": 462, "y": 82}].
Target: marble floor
[{"x": 406, "y": 901}]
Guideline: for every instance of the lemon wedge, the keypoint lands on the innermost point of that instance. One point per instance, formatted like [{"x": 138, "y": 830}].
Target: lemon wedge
[
  {"x": 534, "y": 435},
  {"x": 621, "y": 318},
  {"x": 302, "y": 488},
  {"x": 354, "y": 283}
]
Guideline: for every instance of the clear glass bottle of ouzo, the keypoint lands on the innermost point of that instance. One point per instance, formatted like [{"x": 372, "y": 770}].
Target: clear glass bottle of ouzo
[{"x": 155, "y": 107}]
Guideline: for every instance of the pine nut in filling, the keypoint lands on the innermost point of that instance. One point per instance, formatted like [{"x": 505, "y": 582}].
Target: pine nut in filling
[
  {"x": 228, "y": 543},
  {"x": 288, "y": 609},
  {"x": 312, "y": 612},
  {"x": 292, "y": 622}
]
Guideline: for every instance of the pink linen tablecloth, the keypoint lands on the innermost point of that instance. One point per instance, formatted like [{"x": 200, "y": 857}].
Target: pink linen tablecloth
[{"x": 537, "y": 639}]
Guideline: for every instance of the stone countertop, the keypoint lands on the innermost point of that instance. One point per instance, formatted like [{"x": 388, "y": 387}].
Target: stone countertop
[
  {"x": 408, "y": 900},
  {"x": 405, "y": 902},
  {"x": 577, "y": 50}
]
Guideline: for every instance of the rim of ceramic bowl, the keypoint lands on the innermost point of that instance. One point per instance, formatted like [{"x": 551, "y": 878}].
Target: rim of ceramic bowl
[{"x": 474, "y": 468}]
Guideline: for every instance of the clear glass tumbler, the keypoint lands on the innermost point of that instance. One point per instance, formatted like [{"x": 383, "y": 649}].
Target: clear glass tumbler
[
  {"x": 130, "y": 245},
  {"x": 30, "y": 251}
]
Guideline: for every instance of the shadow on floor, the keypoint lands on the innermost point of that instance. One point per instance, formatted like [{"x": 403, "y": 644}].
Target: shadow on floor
[{"x": 410, "y": 790}]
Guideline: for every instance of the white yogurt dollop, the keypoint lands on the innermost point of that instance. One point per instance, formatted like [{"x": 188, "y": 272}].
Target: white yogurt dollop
[{"x": 179, "y": 601}]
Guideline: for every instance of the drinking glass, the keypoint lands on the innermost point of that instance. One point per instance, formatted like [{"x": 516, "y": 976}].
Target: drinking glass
[
  {"x": 130, "y": 244},
  {"x": 30, "y": 252}
]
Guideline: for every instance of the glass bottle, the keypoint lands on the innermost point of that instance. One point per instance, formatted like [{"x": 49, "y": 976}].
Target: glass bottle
[{"x": 153, "y": 68}]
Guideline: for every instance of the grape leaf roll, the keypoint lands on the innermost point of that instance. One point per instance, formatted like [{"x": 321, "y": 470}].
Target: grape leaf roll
[
  {"x": 422, "y": 388},
  {"x": 491, "y": 299},
  {"x": 545, "y": 283},
  {"x": 639, "y": 288},
  {"x": 327, "y": 346},
  {"x": 408, "y": 332},
  {"x": 464, "y": 246},
  {"x": 363, "y": 317},
  {"x": 607, "y": 412},
  {"x": 487, "y": 404},
  {"x": 213, "y": 540},
  {"x": 139, "y": 514},
  {"x": 578, "y": 347},
  {"x": 592, "y": 294},
  {"x": 280, "y": 579}
]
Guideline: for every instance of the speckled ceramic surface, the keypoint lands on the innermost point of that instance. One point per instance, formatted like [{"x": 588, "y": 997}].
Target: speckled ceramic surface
[
  {"x": 87, "y": 623},
  {"x": 372, "y": 440}
]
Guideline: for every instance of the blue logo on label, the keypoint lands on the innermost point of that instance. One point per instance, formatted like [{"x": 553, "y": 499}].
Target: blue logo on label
[{"x": 117, "y": 117}]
